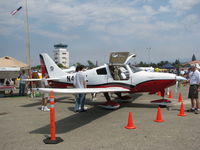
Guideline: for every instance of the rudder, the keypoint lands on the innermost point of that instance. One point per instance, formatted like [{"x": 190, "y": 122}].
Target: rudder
[{"x": 49, "y": 66}]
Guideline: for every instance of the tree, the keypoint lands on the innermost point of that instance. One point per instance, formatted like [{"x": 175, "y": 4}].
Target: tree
[
  {"x": 38, "y": 67},
  {"x": 78, "y": 64},
  {"x": 142, "y": 64},
  {"x": 91, "y": 64},
  {"x": 153, "y": 65},
  {"x": 193, "y": 57},
  {"x": 161, "y": 63},
  {"x": 177, "y": 63},
  {"x": 61, "y": 66}
]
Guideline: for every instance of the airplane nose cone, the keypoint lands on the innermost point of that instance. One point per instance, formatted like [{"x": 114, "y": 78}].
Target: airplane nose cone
[{"x": 179, "y": 78}]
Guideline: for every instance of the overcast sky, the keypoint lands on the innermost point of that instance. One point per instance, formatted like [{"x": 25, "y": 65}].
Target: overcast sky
[{"x": 154, "y": 30}]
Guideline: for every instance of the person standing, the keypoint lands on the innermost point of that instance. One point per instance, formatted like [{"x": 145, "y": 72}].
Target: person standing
[
  {"x": 22, "y": 83},
  {"x": 80, "y": 82},
  {"x": 116, "y": 73},
  {"x": 94, "y": 96},
  {"x": 194, "y": 80},
  {"x": 34, "y": 84},
  {"x": 44, "y": 84}
]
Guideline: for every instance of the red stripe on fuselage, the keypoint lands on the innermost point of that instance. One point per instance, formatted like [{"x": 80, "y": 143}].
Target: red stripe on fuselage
[
  {"x": 110, "y": 85},
  {"x": 148, "y": 86},
  {"x": 153, "y": 86},
  {"x": 59, "y": 84}
]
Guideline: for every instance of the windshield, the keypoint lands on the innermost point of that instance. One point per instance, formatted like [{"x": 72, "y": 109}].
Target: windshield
[{"x": 134, "y": 68}]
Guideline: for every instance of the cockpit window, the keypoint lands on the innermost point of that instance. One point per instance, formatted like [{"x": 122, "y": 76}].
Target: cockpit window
[
  {"x": 102, "y": 71},
  {"x": 119, "y": 72},
  {"x": 134, "y": 69}
]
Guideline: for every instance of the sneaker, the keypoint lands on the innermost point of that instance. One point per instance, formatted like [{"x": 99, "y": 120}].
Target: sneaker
[
  {"x": 83, "y": 110},
  {"x": 42, "y": 108},
  {"x": 76, "y": 109},
  {"x": 94, "y": 99},
  {"x": 46, "y": 109},
  {"x": 191, "y": 110},
  {"x": 197, "y": 111}
]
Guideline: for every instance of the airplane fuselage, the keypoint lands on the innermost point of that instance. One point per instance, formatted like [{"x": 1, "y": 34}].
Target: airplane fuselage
[{"x": 104, "y": 76}]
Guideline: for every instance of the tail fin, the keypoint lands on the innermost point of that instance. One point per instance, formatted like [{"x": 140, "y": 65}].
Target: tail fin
[{"x": 48, "y": 66}]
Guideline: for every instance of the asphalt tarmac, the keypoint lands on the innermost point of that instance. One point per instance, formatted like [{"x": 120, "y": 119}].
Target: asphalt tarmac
[{"x": 24, "y": 127}]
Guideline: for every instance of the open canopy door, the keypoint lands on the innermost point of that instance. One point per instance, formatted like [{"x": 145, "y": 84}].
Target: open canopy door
[{"x": 120, "y": 57}]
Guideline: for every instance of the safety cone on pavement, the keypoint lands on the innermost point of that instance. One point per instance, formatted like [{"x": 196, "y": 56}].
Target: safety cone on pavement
[
  {"x": 159, "y": 116},
  {"x": 182, "y": 111},
  {"x": 170, "y": 94},
  {"x": 180, "y": 98},
  {"x": 159, "y": 93},
  {"x": 130, "y": 124},
  {"x": 52, "y": 139}
]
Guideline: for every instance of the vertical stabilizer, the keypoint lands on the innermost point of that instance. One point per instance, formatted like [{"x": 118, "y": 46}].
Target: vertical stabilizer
[{"x": 49, "y": 66}]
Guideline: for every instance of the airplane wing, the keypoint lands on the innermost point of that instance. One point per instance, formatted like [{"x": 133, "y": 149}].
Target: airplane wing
[
  {"x": 82, "y": 90},
  {"x": 40, "y": 79}
]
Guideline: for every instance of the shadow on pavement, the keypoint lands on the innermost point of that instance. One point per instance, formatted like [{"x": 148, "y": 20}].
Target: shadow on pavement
[
  {"x": 74, "y": 121},
  {"x": 38, "y": 101},
  {"x": 78, "y": 120}
]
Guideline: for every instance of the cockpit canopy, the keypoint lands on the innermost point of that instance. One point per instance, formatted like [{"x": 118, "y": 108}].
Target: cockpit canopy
[{"x": 117, "y": 58}]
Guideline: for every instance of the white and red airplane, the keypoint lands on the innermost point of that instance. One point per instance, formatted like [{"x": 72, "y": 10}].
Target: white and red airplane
[{"x": 117, "y": 76}]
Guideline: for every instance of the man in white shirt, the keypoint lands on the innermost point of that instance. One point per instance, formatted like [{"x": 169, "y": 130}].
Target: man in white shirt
[
  {"x": 194, "y": 79},
  {"x": 80, "y": 82},
  {"x": 182, "y": 72}
]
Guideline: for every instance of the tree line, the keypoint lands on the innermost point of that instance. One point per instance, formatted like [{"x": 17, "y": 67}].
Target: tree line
[{"x": 176, "y": 63}]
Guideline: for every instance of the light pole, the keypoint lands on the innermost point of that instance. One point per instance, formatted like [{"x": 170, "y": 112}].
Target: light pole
[{"x": 28, "y": 55}]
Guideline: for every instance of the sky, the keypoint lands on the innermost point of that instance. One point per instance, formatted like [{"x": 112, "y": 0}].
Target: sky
[{"x": 154, "y": 30}]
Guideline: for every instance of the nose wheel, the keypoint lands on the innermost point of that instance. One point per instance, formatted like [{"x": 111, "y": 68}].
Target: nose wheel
[{"x": 163, "y": 103}]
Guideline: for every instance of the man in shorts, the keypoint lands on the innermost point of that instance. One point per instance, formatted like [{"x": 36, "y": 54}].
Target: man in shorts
[
  {"x": 194, "y": 79},
  {"x": 45, "y": 96}
]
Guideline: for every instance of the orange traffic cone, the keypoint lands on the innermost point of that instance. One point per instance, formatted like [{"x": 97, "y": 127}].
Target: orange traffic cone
[
  {"x": 182, "y": 111},
  {"x": 180, "y": 98},
  {"x": 159, "y": 93},
  {"x": 159, "y": 116},
  {"x": 130, "y": 124},
  {"x": 53, "y": 139},
  {"x": 170, "y": 94}
]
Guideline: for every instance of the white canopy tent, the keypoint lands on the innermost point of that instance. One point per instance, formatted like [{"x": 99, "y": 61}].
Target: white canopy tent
[
  {"x": 9, "y": 72},
  {"x": 10, "y": 67}
]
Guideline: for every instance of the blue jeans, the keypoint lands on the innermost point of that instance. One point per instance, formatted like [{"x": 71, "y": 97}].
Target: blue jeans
[
  {"x": 22, "y": 89},
  {"x": 80, "y": 102}
]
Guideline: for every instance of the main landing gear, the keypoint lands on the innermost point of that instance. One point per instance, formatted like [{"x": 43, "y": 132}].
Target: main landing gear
[{"x": 111, "y": 104}]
